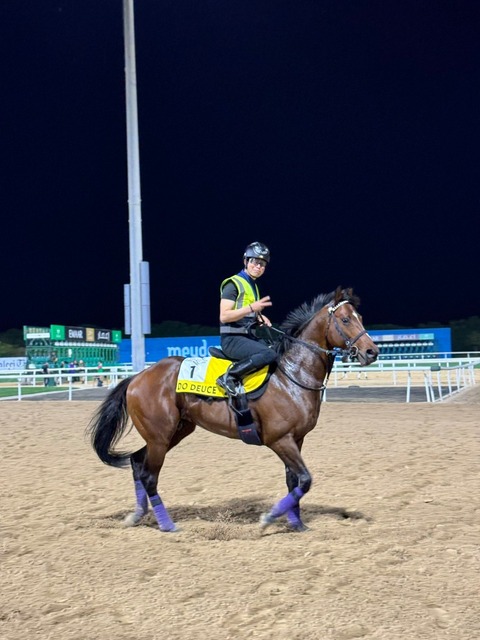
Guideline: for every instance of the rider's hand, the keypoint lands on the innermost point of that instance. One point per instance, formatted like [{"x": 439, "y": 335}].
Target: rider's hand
[
  {"x": 259, "y": 305},
  {"x": 264, "y": 320}
]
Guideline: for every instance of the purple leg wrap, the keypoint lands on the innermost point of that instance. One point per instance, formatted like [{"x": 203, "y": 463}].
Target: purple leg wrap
[
  {"x": 287, "y": 503},
  {"x": 142, "y": 499},
  {"x": 293, "y": 517},
  {"x": 161, "y": 514}
]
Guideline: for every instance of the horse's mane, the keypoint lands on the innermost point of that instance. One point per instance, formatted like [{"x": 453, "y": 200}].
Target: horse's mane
[{"x": 298, "y": 319}]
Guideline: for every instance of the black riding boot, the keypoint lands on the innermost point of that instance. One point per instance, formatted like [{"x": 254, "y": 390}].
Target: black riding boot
[{"x": 234, "y": 375}]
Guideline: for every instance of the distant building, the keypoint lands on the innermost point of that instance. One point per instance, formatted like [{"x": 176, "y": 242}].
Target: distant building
[
  {"x": 412, "y": 343},
  {"x": 59, "y": 344}
]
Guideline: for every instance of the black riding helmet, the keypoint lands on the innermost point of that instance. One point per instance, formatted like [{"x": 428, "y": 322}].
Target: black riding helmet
[{"x": 257, "y": 250}]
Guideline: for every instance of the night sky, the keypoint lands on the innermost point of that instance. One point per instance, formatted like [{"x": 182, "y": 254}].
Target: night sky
[{"x": 343, "y": 134}]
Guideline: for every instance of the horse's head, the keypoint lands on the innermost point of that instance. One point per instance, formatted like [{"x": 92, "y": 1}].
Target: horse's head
[
  {"x": 331, "y": 321},
  {"x": 345, "y": 328}
]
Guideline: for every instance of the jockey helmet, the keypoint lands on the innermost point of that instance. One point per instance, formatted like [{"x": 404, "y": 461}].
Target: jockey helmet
[{"x": 257, "y": 250}]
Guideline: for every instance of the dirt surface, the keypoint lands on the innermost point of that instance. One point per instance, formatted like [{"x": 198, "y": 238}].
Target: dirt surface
[{"x": 392, "y": 550}]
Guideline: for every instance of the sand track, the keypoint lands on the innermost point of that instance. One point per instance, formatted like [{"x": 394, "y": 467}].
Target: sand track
[{"x": 392, "y": 551}]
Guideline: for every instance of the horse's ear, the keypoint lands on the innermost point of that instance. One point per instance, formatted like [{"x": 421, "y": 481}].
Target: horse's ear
[
  {"x": 351, "y": 297},
  {"x": 338, "y": 295}
]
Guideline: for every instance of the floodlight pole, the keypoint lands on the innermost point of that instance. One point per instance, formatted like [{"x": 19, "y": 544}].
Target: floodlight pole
[{"x": 134, "y": 197}]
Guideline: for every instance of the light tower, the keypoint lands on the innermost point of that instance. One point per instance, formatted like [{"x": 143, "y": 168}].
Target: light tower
[{"x": 137, "y": 293}]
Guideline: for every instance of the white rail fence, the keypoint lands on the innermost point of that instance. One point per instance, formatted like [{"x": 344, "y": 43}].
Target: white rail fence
[
  {"x": 440, "y": 378},
  {"x": 59, "y": 380}
]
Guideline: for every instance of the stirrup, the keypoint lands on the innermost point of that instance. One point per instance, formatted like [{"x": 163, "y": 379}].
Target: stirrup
[{"x": 227, "y": 383}]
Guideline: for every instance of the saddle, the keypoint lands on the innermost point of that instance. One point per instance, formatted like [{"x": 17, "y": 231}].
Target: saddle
[
  {"x": 199, "y": 375},
  {"x": 246, "y": 427}
]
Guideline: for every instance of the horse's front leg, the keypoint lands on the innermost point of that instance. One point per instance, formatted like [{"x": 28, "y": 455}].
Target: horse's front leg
[
  {"x": 293, "y": 514},
  {"x": 299, "y": 481}
]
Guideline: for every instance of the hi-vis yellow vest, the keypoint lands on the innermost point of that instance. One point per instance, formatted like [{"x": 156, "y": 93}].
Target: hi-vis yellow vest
[{"x": 246, "y": 296}]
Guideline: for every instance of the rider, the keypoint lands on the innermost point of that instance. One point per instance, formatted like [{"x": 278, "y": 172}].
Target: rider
[{"x": 240, "y": 307}]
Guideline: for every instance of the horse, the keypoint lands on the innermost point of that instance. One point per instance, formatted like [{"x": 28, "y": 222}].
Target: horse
[{"x": 310, "y": 338}]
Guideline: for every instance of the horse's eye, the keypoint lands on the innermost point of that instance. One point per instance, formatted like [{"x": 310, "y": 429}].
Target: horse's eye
[{"x": 345, "y": 320}]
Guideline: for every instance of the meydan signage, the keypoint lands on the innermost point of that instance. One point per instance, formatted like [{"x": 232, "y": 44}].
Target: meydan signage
[{"x": 84, "y": 334}]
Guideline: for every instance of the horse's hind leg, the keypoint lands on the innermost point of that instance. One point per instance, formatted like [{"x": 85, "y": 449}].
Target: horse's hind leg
[
  {"x": 155, "y": 457},
  {"x": 145, "y": 481},
  {"x": 141, "y": 509},
  {"x": 146, "y": 468},
  {"x": 146, "y": 464},
  {"x": 184, "y": 429}
]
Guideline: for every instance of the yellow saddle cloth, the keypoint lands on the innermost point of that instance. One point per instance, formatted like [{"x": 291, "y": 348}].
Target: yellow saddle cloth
[{"x": 199, "y": 376}]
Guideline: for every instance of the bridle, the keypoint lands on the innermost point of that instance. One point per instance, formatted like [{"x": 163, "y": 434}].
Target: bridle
[
  {"x": 349, "y": 342},
  {"x": 331, "y": 353},
  {"x": 352, "y": 350}
]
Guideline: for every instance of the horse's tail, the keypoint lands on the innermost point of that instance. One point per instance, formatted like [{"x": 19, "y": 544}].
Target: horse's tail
[{"x": 108, "y": 425}]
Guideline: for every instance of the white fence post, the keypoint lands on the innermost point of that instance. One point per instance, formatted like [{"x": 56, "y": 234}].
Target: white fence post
[
  {"x": 409, "y": 382},
  {"x": 428, "y": 387}
]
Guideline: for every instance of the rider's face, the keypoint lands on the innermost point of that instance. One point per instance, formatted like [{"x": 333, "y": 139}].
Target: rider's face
[{"x": 255, "y": 267}]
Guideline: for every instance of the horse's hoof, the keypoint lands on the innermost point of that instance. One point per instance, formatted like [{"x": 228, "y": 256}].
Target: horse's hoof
[
  {"x": 172, "y": 529},
  {"x": 298, "y": 528},
  {"x": 132, "y": 520},
  {"x": 265, "y": 520}
]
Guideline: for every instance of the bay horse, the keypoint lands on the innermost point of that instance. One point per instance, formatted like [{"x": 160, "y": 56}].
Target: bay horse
[{"x": 311, "y": 337}]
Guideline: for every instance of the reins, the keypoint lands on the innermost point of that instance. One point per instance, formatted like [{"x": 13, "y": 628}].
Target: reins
[
  {"x": 317, "y": 349},
  {"x": 313, "y": 347}
]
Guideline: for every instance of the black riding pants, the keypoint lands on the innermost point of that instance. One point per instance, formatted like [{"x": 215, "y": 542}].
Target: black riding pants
[{"x": 241, "y": 348}]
